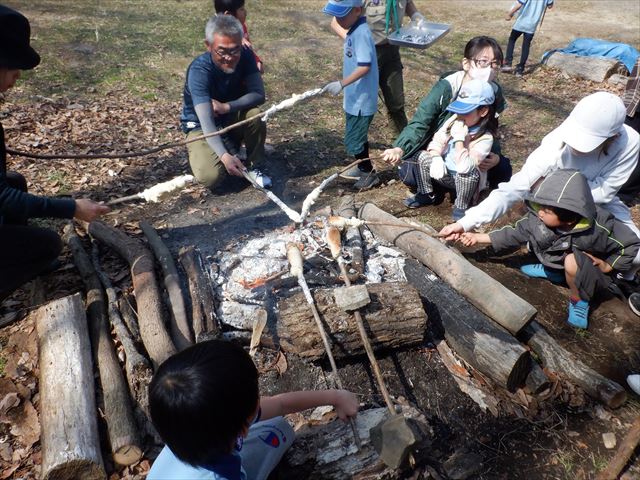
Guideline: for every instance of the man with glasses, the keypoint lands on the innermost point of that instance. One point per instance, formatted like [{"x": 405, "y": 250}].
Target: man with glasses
[{"x": 223, "y": 86}]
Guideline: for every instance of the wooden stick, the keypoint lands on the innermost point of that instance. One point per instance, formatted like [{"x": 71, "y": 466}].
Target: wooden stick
[
  {"x": 179, "y": 326},
  {"x": 623, "y": 454},
  {"x": 130, "y": 317},
  {"x": 296, "y": 261},
  {"x": 121, "y": 426},
  {"x": 150, "y": 313}
]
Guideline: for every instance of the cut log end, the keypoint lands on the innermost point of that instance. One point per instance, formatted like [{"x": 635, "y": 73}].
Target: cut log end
[
  {"x": 127, "y": 455},
  {"x": 613, "y": 397},
  {"x": 519, "y": 372},
  {"x": 76, "y": 469}
]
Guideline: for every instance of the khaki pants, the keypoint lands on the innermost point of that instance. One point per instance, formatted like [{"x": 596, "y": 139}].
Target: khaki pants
[{"x": 208, "y": 168}]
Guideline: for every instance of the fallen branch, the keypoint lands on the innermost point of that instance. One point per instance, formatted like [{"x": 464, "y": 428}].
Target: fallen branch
[
  {"x": 123, "y": 437},
  {"x": 151, "y": 319},
  {"x": 180, "y": 331},
  {"x": 623, "y": 454}
]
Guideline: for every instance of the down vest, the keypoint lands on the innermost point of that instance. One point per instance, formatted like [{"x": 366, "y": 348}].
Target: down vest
[{"x": 598, "y": 233}]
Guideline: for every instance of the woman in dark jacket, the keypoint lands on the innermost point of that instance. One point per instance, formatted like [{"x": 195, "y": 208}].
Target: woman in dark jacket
[{"x": 26, "y": 251}]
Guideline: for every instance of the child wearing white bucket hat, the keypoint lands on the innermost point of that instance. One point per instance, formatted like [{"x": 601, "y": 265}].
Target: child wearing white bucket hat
[{"x": 452, "y": 157}]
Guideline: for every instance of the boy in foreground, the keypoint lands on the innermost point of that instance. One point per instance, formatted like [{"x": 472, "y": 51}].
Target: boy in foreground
[
  {"x": 575, "y": 240},
  {"x": 360, "y": 84},
  {"x": 205, "y": 404}
]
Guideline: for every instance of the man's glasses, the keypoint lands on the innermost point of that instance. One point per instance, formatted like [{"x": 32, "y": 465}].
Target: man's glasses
[
  {"x": 228, "y": 52},
  {"x": 484, "y": 63}
]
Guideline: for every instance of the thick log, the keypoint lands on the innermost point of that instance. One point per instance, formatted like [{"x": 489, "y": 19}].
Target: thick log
[
  {"x": 137, "y": 368},
  {"x": 128, "y": 313},
  {"x": 558, "y": 359},
  {"x": 472, "y": 335},
  {"x": 487, "y": 294},
  {"x": 394, "y": 318},
  {"x": 121, "y": 426},
  {"x": 352, "y": 239},
  {"x": 596, "y": 69},
  {"x": 70, "y": 445},
  {"x": 180, "y": 331},
  {"x": 150, "y": 314},
  {"x": 203, "y": 305},
  {"x": 327, "y": 451},
  {"x": 537, "y": 381}
]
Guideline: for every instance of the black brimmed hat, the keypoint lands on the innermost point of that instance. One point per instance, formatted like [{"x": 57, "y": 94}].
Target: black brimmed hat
[{"x": 15, "y": 51}]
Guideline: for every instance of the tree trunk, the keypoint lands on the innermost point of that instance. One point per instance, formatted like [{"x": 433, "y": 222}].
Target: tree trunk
[
  {"x": 394, "y": 319},
  {"x": 556, "y": 358},
  {"x": 352, "y": 238},
  {"x": 471, "y": 334},
  {"x": 70, "y": 445},
  {"x": 123, "y": 437},
  {"x": 150, "y": 317},
  {"x": 203, "y": 306},
  {"x": 180, "y": 331},
  {"x": 596, "y": 69},
  {"x": 487, "y": 294}
]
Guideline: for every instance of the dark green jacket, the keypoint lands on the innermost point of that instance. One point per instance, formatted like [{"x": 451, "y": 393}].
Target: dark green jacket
[{"x": 431, "y": 115}]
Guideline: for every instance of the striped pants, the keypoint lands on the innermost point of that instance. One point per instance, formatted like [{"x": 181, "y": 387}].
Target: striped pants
[{"x": 465, "y": 184}]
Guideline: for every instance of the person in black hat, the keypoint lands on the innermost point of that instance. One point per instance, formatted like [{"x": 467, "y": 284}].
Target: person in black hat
[{"x": 26, "y": 251}]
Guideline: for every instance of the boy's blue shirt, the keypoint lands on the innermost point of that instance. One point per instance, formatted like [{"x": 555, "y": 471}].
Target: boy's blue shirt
[
  {"x": 530, "y": 15},
  {"x": 361, "y": 97},
  {"x": 168, "y": 467}
]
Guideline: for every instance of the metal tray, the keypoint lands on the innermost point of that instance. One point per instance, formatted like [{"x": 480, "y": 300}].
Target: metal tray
[{"x": 435, "y": 32}]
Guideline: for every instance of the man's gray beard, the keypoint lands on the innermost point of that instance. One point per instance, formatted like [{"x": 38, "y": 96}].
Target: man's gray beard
[{"x": 228, "y": 70}]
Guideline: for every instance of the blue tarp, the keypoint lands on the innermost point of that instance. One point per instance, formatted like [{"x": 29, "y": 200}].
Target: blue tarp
[{"x": 592, "y": 47}]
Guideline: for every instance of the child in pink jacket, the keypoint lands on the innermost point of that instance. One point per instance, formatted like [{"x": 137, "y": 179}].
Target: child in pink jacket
[{"x": 463, "y": 141}]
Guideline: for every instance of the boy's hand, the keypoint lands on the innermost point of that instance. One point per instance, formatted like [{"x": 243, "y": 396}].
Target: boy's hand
[
  {"x": 452, "y": 232},
  {"x": 346, "y": 404},
  {"x": 508, "y": 16},
  {"x": 392, "y": 155},
  {"x": 601, "y": 264},
  {"x": 334, "y": 88},
  {"x": 468, "y": 239},
  {"x": 88, "y": 210}
]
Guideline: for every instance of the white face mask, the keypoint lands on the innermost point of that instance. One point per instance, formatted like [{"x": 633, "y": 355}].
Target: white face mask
[{"x": 487, "y": 73}]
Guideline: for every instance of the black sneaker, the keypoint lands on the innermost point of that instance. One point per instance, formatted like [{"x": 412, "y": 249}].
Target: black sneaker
[
  {"x": 367, "y": 180},
  {"x": 354, "y": 173},
  {"x": 628, "y": 287},
  {"x": 634, "y": 303}
]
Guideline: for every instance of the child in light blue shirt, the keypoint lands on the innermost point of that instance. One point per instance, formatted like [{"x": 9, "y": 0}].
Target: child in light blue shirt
[
  {"x": 530, "y": 16},
  {"x": 360, "y": 84}
]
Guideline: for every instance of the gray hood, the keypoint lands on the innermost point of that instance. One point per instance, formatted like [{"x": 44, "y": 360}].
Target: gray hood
[{"x": 566, "y": 189}]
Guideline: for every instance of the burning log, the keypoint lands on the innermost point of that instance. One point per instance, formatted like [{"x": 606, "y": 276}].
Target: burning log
[
  {"x": 395, "y": 318},
  {"x": 352, "y": 238},
  {"x": 472, "y": 335},
  {"x": 487, "y": 294},
  {"x": 70, "y": 445},
  {"x": 121, "y": 425},
  {"x": 203, "y": 306},
  {"x": 150, "y": 314},
  {"x": 557, "y": 358},
  {"x": 180, "y": 332}
]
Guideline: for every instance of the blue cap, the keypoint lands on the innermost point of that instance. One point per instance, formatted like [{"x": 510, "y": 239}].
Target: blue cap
[
  {"x": 340, "y": 8},
  {"x": 473, "y": 94}
]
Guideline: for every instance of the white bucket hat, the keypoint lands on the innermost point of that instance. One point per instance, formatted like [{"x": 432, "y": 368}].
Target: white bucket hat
[{"x": 594, "y": 119}]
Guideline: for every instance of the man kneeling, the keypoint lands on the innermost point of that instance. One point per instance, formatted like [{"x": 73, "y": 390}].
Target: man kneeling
[{"x": 223, "y": 86}]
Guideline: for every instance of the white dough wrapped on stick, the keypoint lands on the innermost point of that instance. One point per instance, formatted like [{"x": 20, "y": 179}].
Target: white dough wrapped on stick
[
  {"x": 158, "y": 192},
  {"x": 290, "y": 102}
]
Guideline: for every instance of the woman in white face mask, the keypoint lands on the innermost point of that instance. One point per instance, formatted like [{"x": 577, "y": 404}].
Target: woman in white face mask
[{"x": 482, "y": 61}]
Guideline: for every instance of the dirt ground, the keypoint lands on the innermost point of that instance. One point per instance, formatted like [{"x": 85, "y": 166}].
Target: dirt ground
[{"x": 86, "y": 98}]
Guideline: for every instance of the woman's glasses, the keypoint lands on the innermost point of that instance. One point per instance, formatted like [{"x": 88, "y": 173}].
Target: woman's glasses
[{"x": 484, "y": 63}]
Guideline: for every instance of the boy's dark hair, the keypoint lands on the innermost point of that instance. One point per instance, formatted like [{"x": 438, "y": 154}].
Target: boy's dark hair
[
  {"x": 200, "y": 399},
  {"x": 230, "y": 6},
  {"x": 564, "y": 215},
  {"x": 477, "y": 44}
]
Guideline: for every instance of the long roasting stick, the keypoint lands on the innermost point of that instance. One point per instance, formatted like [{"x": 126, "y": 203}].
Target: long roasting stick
[{"x": 296, "y": 269}]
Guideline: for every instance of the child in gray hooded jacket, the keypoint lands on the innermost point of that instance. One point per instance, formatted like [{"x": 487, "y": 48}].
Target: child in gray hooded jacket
[{"x": 574, "y": 240}]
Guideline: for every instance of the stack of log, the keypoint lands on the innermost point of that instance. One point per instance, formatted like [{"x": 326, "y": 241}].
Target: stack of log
[{"x": 74, "y": 339}]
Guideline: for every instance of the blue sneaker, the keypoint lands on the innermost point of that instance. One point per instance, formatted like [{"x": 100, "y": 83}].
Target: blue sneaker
[
  {"x": 537, "y": 270},
  {"x": 578, "y": 313},
  {"x": 457, "y": 213}
]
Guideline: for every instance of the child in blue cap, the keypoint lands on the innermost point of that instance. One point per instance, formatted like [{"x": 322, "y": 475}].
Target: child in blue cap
[
  {"x": 360, "y": 85},
  {"x": 463, "y": 141}
]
